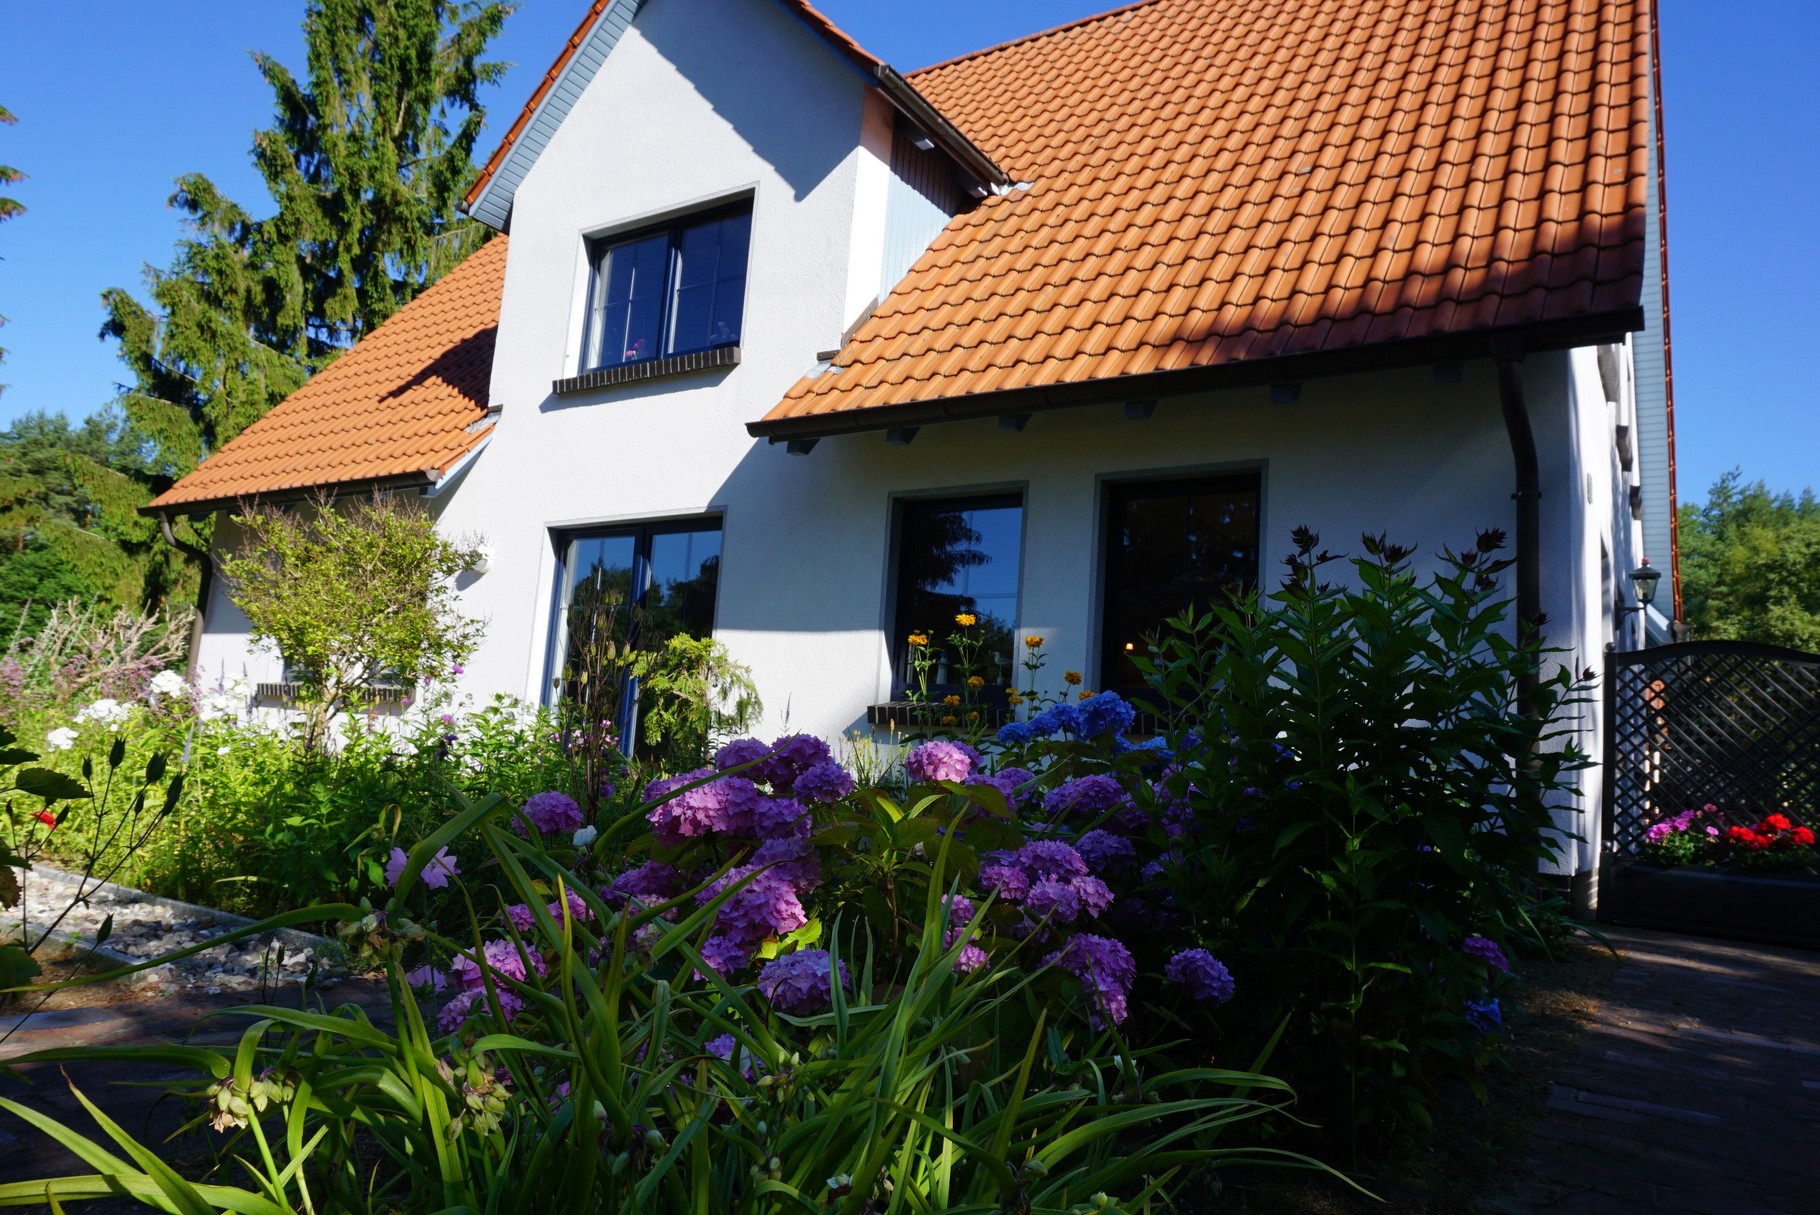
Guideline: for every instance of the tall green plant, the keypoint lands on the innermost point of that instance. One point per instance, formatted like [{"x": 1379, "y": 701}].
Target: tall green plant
[
  {"x": 692, "y": 697},
  {"x": 1367, "y": 799},
  {"x": 352, "y": 595}
]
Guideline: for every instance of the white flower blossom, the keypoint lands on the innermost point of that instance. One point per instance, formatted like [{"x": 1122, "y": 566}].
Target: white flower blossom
[
  {"x": 106, "y": 712},
  {"x": 585, "y": 836},
  {"x": 167, "y": 683},
  {"x": 61, "y": 739}
]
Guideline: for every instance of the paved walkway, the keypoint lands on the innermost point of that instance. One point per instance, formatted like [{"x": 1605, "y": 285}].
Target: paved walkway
[{"x": 1697, "y": 1088}]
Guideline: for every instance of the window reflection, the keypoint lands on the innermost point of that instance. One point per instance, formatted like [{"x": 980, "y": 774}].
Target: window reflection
[
  {"x": 958, "y": 556},
  {"x": 1171, "y": 545}
]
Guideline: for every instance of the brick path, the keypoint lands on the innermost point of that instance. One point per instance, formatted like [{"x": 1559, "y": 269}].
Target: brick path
[
  {"x": 115, "y": 1087},
  {"x": 1697, "y": 1088}
]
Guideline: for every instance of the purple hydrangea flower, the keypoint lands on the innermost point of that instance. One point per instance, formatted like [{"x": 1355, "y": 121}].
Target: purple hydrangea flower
[
  {"x": 825, "y": 782},
  {"x": 436, "y": 871},
  {"x": 1050, "y": 858},
  {"x": 802, "y": 982},
  {"x": 739, "y": 752},
  {"x": 1084, "y": 795},
  {"x": 792, "y": 757},
  {"x": 1204, "y": 975},
  {"x": 1006, "y": 787},
  {"x": 766, "y": 906},
  {"x": 1022, "y": 782},
  {"x": 724, "y": 955},
  {"x": 502, "y": 957},
  {"x": 521, "y": 917},
  {"x": 1008, "y": 880},
  {"x": 1053, "y": 900},
  {"x": 792, "y": 858},
  {"x": 1105, "y": 969},
  {"x": 778, "y": 817},
  {"x": 1105, "y": 852},
  {"x": 650, "y": 884},
  {"x": 1095, "y": 895},
  {"x": 721, "y": 1047},
  {"x": 550, "y": 812},
  {"x": 719, "y": 807},
  {"x": 940, "y": 760},
  {"x": 1487, "y": 951},
  {"x": 473, "y": 1002}
]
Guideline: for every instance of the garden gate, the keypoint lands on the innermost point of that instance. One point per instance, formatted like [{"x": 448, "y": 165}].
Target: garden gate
[{"x": 1730, "y": 724}]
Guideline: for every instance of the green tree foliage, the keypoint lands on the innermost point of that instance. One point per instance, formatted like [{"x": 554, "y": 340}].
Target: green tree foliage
[
  {"x": 9, "y": 207},
  {"x": 366, "y": 159},
  {"x": 1750, "y": 564},
  {"x": 352, "y": 594},
  {"x": 69, "y": 521}
]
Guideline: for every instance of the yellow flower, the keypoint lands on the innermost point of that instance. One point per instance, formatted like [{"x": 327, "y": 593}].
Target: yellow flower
[
  {"x": 919, "y": 639},
  {"x": 951, "y": 701},
  {"x": 1033, "y": 642},
  {"x": 1014, "y": 700},
  {"x": 966, "y": 620},
  {"x": 973, "y": 717},
  {"x": 949, "y": 720},
  {"x": 1086, "y": 693},
  {"x": 975, "y": 681},
  {"x": 1071, "y": 677}
]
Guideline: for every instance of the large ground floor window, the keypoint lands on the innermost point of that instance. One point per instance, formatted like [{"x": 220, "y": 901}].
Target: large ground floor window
[
  {"x": 958, "y": 556},
  {"x": 664, "y": 576},
  {"x": 1171, "y": 544}
]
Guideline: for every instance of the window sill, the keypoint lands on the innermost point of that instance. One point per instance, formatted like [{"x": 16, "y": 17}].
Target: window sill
[
  {"x": 914, "y": 713},
  {"x": 651, "y": 369},
  {"x": 289, "y": 692}
]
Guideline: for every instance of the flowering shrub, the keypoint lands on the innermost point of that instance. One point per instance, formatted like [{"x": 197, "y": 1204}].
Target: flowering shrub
[{"x": 1700, "y": 837}]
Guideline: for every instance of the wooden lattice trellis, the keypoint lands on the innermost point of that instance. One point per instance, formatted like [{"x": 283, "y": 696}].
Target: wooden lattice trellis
[{"x": 1729, "y": 724}]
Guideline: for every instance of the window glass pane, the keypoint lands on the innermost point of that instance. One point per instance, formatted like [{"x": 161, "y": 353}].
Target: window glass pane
[
  {"x": 597, "y": 576},
  {"x": 710, "y": 284},
  {"x": 1172, "y": 545},
  {"x": 685, "y": 570},
  {"x": 959, "y": 557},
  {"x": 629, "y": 299}
]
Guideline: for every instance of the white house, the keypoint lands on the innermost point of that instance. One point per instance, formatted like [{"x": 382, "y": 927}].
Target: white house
[{"x": 1121, "y": 303}]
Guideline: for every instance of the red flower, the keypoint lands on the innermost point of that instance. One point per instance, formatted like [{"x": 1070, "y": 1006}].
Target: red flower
[
  {"x": 1802, "y": 837},
  {"x": 47, "y": 818},
  {"x": 1776, "y": 822},
  {"x": 1744, "y": 837}
]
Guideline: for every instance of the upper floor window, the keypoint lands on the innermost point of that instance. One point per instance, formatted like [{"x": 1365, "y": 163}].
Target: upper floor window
[
  {"x": 955, "y": 556},
  {"x": 1172, "y": 545},
  {"x": 678, "y": 289}
]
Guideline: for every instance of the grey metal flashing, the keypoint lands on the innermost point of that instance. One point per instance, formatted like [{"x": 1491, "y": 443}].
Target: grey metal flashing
[
  {"x": 494, "y": 206},
  {"x": 629, "y": 373}
]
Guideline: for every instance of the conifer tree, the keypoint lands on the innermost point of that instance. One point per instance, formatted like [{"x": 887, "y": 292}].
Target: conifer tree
[
  {"x": 9, "y": 207},
  {"x": 368, "y": 154}
]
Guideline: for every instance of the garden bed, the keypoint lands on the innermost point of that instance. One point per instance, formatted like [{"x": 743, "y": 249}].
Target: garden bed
[{"x": 1776, "y": 908}]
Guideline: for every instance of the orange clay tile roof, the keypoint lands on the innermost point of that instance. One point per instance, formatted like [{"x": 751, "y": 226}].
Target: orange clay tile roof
[
  {"x": 406, "y": 403},
  {"x": 1216, "y": 181}
]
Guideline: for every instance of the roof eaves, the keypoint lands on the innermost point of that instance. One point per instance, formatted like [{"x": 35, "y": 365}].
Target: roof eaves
[
  {"x": 1586, "y": 329},
  {"x": 298, "y": 493}
]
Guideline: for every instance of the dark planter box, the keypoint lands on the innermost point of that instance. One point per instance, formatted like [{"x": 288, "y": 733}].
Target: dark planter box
[
  {"x": 915, "y": 715},
  {"x": 1778, "y": 908}
]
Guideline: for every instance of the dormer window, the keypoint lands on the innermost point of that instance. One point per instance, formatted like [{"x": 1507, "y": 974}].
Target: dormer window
[{"x": 664, "y": 292}]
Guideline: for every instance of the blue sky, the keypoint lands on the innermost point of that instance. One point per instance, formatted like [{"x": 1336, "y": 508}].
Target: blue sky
[{"x": 115, "y": 98}]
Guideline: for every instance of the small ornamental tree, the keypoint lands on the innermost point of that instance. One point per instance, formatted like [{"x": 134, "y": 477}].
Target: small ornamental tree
[{"x": 351, "y": 593}]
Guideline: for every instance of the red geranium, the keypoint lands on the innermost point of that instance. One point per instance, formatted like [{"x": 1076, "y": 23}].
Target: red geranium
[
  {"x": 1744, "y": 837},
  {"x": 47, "y": 818},
  {"x": 1776, "y": 822},
  {"x": 1802, "y": 837}
]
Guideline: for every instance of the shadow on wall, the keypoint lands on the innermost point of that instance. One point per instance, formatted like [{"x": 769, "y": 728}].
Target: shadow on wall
[
  {"x": 638, "y": 390},
  {"x": 774, "y": 89}
]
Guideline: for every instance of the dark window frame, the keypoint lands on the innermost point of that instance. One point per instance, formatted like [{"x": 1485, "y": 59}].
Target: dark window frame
[
  {"x": 600, "y": 246},
  {"x": 903, "y": 507},
  {"x": 642, "y": 534},
  {"x": 1115, "y": 492}
]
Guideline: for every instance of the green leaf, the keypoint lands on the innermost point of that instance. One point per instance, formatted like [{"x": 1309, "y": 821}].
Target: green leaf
[{"x": 49, "y": 785}]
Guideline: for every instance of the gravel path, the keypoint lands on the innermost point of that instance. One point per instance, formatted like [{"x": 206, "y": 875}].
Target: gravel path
[{"x": 147, "y": 927}]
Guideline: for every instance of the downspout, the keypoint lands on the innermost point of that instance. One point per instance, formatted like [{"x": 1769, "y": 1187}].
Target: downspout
[
  {"x": 205, "y": 584},
  {"x": 1507, "y": 351}
]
